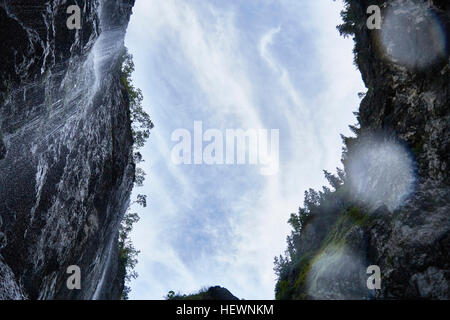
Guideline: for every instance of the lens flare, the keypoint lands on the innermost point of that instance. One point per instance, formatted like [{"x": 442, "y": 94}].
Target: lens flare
[
  {"x": 381, "y": 172},
  {"x": 337, "y": 273},
  {"x": 412, "y": 35}
]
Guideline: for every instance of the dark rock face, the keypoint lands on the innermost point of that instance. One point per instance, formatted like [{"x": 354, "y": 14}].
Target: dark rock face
[
  {"x": 408, "y": 101},
  {"x": 9, "y": 288},
  {"x": 219, "y": 293},
  {"x": 412, "y": 245},
  {"x": 213, "y": 293},
  {"x": 66, "y": 168}
]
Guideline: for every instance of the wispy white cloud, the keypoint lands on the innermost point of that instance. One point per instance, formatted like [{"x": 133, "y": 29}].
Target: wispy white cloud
[{"x": 225, "y": 63}]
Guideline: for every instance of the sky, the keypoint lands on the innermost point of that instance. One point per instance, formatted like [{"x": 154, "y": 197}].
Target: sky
[{"x": 247, "y": 64}]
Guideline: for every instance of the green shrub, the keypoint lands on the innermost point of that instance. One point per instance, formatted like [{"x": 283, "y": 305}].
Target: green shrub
[{"x": 140, "y": 127}]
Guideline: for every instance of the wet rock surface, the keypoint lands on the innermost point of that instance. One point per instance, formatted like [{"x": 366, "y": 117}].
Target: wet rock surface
[
  {"x": 9, "y": 288},
  {"x": 66, "y": 168}
]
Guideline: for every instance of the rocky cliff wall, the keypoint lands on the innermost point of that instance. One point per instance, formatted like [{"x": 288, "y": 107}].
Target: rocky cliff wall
[
  {"x": 66, "y": 168},
  {"x": 409, "y": 95},
  {"x": 390, "y": 207}
]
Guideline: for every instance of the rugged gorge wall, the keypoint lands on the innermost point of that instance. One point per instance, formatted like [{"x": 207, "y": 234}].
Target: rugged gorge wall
[
  {"x": 66, "y": 168},
  {"x": 391, "y": 203}
]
